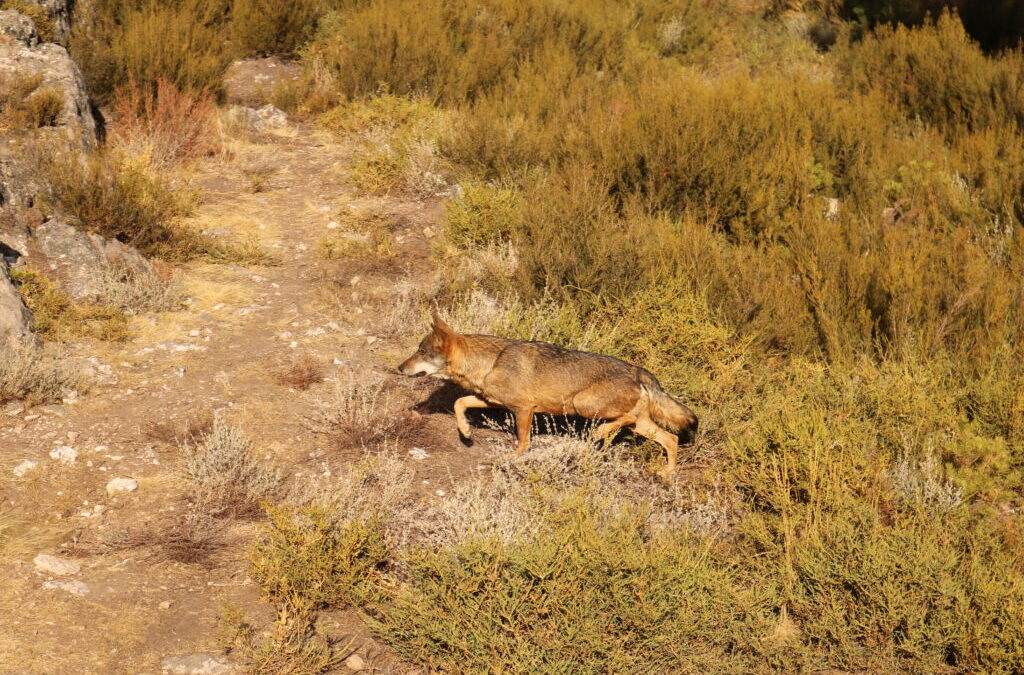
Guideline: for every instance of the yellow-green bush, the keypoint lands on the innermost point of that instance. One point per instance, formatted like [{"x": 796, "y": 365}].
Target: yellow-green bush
[
  {"x": 115, "y": 42},
  {"x": 273, "y": 26},
  {"x": 481, "y": 214},
  {"x": 307, "y": 561},
  {"x": 59, "y": 318},
  {"x": 824, "y": 261},
  {"x": 936, "y": 72}
]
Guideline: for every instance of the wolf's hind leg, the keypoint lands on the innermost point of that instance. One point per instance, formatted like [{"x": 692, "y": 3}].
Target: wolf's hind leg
[
  {"x": 648, "y": 429},
  {"x": 604, "y": 432},
  {"x": 463, "y": 404},
  {"x": 524, "y": 420}
]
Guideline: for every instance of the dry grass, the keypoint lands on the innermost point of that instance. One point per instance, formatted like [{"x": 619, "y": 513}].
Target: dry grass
[
  {"x": 359, "y": 411},
  {"x": 137, "y": 291},
  {"x": 294, "y": 645},
  {"x": 61, "y": 319},
  {"x": 300, "y": 372},
  {"x": 25, "y": 104},
  {"x": 225, "y": 477},
  {"x": 188, "y": 431},
  {"x": 165, "y": 124},
  {"x": 37, "y": 375},
  {"x": 192, "y": 537}
]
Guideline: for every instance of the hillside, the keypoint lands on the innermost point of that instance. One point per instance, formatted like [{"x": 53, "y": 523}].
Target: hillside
[{"x": 224, "y": 225}]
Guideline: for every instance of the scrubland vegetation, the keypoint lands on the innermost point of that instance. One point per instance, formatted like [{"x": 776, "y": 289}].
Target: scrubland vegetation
[
  {"x": 814, "y": 243},
  {"x": 819, "y": 250}
]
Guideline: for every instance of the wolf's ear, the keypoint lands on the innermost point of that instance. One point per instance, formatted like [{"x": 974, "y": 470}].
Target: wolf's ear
[{"x": 440, "y": 327}]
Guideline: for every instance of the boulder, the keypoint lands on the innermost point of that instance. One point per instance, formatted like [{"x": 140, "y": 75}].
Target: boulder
[
  {"x": 257, "y": 119},
  {"x": 76, "y": 258},
  {"x": 45, "y": 72},
  {"x": 48, "y": 564},
  {"x": 58, "y": 13},
  {"x": 15, "y": 317}
]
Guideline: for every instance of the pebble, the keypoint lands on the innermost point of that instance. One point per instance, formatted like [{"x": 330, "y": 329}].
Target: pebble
[
  {"x": 196, "y": 664},
  {"x": 122, "y": 485},
  {"x": 72, "y": 587},
  {"x": 64, "y": 454},
  {"x": 418, "y": 453},
  {"x": 355, "y": 663},
  {"x": 24, "y": 467},
  {"x": 55, "y": 566}
]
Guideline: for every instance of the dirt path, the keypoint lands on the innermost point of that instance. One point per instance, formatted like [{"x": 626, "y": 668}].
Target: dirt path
[{"x": 218, "y": 355}]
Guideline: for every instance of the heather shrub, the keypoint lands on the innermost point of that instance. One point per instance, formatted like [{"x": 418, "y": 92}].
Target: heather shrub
[
  {"x": 115, "y": 42},
  {"x": 273, "y": 26},
  {"x": 820, "y": 253}
]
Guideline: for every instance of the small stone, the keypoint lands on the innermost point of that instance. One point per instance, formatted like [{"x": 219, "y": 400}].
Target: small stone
[
  {"x": 194, "y": 332},
  {"x": 64, "y": 454},
  {"x": 332, "y": 225},
  {"x": 24, "y": 468},
  {"x": 49, "y": 564},
  {"x": 72, "y": 587},
  {"x": 166, "y": 604},
  {"x": 122, "y": 485},
  {"x": 370, "y": 339},
  {"x": 195, "y": 664},
  {"x": 355, "y": 663},
  {"x": 418, "y": 453}
]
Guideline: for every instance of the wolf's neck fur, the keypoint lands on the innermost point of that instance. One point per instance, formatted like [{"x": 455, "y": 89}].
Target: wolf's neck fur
[{"x": 472, "y": 358}]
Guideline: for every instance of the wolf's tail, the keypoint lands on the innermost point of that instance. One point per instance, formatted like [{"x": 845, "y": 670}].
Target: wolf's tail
[{"x": 667, "y": 412}]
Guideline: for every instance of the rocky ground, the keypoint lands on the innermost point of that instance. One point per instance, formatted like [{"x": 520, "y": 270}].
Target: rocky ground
[{"x": 107, "y": 460}]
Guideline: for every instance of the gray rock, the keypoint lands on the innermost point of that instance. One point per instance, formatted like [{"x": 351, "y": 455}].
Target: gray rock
[
  {"x": 258, "y": 119},
  {"x": 122, "y": 485},
  {"x": 77, "y": 258},
  {"x": 60, "y": 14},
  {"x": 77, "y": 124},
  {"x": 196, "y": 664},
  {"x": 15, "y": 317},
  {"x": 49, "y": 564},
  {"x": 15, "y": 27},
  {"x": 72, "y": 587}
]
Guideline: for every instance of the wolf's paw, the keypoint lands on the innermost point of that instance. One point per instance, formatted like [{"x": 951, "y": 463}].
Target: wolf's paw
[
  {"x": 466, "y": 440},
  {"x": 665, "y": 476}
]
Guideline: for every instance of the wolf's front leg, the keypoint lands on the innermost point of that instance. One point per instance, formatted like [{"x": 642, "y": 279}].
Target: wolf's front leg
[{"x": 461, "y": 406}]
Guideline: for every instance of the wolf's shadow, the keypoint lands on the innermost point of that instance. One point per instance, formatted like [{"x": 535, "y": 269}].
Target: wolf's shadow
[{"x": 442, "y": 401}]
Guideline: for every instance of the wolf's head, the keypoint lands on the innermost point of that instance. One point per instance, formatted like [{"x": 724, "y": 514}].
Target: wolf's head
[{"x": 431, "y": 357}]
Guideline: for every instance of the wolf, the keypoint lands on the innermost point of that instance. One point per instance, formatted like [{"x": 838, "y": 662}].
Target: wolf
[{"x": 538, "y": 377}]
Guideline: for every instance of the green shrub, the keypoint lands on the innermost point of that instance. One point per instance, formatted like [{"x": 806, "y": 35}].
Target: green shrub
[
  {"x": 273, "y": 26},
  {"x": 115, "y": 42},
  {"x": 936, "y": 72},
  {"x": 306, "y": 561},
  {"x": 591, "y": 597},
  {"x": 59, "y": 318},
  {"x": 481, "y": 214}
]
